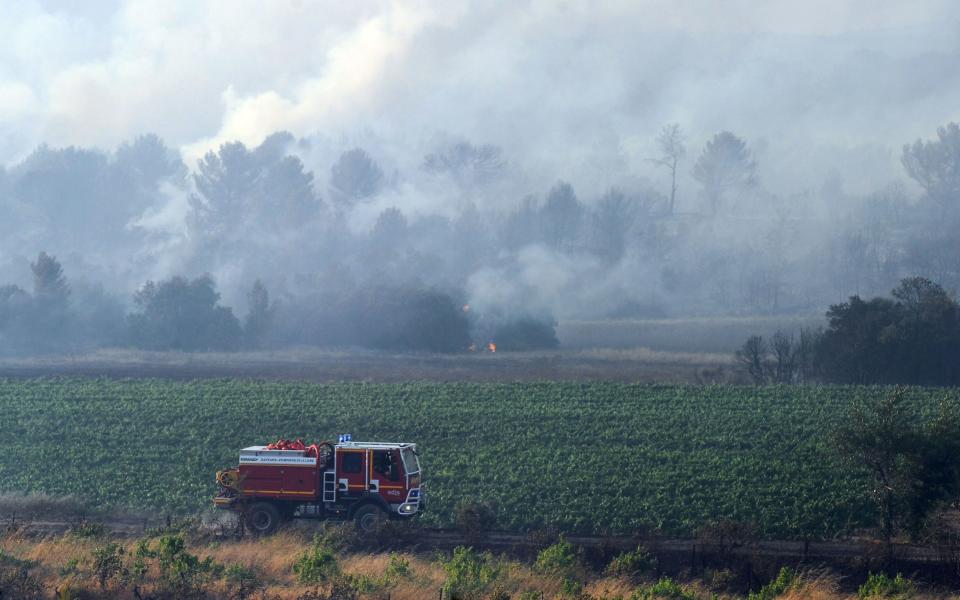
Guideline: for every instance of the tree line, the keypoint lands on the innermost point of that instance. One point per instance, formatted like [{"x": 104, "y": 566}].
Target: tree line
[
  {"x": 187, "y": 315},
  {"x": 502, "y": 244},
  {"x": 912, "y": 337}
]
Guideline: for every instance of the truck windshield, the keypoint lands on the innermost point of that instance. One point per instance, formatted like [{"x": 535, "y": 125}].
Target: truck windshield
[{"x": 410, "y": 462}]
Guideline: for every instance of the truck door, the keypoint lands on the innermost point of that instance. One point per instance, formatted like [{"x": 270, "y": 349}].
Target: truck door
[
  {"x": 352, "y": 474},
  {"x": 386, "y": 475}
]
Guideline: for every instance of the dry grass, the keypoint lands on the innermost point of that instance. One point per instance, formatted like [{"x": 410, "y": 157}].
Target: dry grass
[
  {"x": 622, "y": 363},
  {"x": 273, "y": 558}
]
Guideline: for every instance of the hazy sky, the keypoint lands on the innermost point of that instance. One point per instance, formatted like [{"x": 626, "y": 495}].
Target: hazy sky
[{"x": 567, "y": 88}]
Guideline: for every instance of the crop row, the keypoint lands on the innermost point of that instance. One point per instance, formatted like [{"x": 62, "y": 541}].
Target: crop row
[{"x": 598, "y": 457}]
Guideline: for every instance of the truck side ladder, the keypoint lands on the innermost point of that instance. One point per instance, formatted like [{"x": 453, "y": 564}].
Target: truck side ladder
[{"x": 329, "y": 486}]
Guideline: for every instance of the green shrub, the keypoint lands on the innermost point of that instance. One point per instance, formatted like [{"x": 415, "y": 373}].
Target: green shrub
[
  {"x": 469, "y": 574},
  {"x": 632, "y": 564},
  {"x": 8, "y": 560},
  {"x": 665, "y": 588},
  {"x": 19, "y": 583},
  {"x": 108, "y": 563},
  {"x": 181, "y": 574},
  {"x": 316, "y": 565},
  {"x": 398, "y": 568},
  {"x": 72, "y": 567},
  {"x": 243, "y": 581},
  {"x": 786, "y": 579},
  {"x": 88, "y": 529},
  {"x": 720, "y": 579},
  {"x": 557, "y": 559},
  {"x": 571, "y": 588},
  {"x": 882, "y": 586}
]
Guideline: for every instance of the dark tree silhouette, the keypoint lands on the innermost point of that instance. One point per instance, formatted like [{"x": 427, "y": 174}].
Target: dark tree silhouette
[
  {"x": 561, "y": 217},
  {"x": 725, "y": 164},
  {"x": 49, "y": 283},
  {"x": 913, "y": 338},
  {"x": 935, "y": 165},
  {"x": 260, "y": 316},
  {"x": 178, "y": 314},
  {"x": 610, "y": 224},
  {"x": 466, "y": 163},
  {"x": 914, "y": 464},
  {"x": 355, "y": 176},
  {"x": 243, "y": 192}
]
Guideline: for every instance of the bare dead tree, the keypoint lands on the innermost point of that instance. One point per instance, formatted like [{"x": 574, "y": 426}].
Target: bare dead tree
[
  {"x": 670, "y": 140},
  {"x": 784, "y": 357},
  {"x": 753, "y": 356}
]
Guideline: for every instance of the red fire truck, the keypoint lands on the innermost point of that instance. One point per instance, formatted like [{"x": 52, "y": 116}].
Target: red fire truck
[{"x": 367, "y": 482}]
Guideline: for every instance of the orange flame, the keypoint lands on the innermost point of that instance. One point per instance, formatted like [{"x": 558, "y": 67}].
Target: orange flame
[{"x": 492, "y": 347}]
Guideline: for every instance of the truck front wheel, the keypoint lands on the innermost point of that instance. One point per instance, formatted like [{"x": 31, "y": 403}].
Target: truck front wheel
[
  {"x": 369, "y": 518},
  {"x": 262, "y": 518}
]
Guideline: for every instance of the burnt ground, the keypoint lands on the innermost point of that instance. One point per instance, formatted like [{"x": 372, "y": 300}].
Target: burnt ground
[{"x": 309, "y": 364}]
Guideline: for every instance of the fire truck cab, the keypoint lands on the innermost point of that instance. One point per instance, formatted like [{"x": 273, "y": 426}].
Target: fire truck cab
[{"x": 367, "y": 482}]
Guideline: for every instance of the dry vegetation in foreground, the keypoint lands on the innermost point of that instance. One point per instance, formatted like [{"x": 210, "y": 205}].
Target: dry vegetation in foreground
[{"x": 185, "y": 564}]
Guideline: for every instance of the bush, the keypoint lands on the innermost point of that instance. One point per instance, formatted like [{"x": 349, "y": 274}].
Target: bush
[
  {"x": 786, "y": 579},
  {"x": 316, "y": 565},
  {"x": 389, "y": 318},
  {"x": 882, "y": 586},
  {"x": 108, "y": 563},
  {"x": 178, "y": 314},
  {"x": 557, "y": 559},
  {"x": 632, "y": 564},
  {"x": 469, "y": 574},
  {"x": 473, "y": 518},
  {"x": 21, "y": 584},
  {"x": 526, "y": 334},
  {"x": 398, "y": 568},
  {"x": 243, "y": 581},
  {"x": 181, "y": 574},
  {"x": 88, "y": 530},
  {"x": 664, "y": 588},
  {"x": 912, "y": 338}
]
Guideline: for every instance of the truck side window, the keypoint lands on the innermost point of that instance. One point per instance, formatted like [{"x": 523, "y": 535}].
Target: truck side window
[
  {"x": 352, "y": 462},
  {"x": 383, "y": 463}
]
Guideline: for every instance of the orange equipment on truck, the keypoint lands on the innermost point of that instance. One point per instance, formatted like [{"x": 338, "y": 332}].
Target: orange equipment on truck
[{"x": 367, "y": 482}]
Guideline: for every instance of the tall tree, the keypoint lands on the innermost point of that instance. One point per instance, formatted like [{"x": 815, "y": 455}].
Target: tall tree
[
  {"x": 49, "y": 318},
  {"x": 260, "y": 315},
  {"x": 355, "y": 176},
  {"x": 561, "y": 217},
  {"x": 466, "y": 163},
  {"x": 914, "y": 463},
  {"x": 68, "y": 188},
  {"x": 147, "y": 161},
  {"x": 935, "y": 165},
  {"x": 673, "y": 149},
  {"x": 725, "y": 164},
  {"x": 49, "y": 283},
  {"x": 611, "y": 221},
  {"x": 243, "y": 193}
]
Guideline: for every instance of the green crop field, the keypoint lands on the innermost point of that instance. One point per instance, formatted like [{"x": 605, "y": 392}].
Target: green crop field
[{"x": 601, "y": 458}]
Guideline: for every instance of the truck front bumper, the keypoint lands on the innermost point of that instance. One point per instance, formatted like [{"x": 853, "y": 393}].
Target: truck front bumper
[{"x": 413, "y": 504}]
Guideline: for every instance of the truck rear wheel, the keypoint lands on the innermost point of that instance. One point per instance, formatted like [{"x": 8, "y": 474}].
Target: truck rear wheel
[
  {"x": 262, "y": 518},
  {"x": 369, "y": 518}
]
